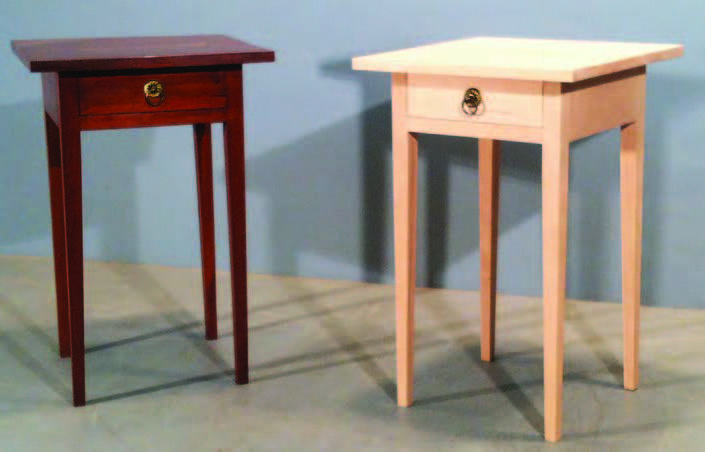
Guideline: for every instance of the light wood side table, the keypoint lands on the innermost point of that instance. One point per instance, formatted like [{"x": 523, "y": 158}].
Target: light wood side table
[{"x": 549, "y": 92}]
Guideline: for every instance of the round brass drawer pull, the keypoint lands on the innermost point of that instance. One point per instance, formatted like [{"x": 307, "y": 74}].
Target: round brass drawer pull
[
  {"x": 154, "y": 93},
  {"x": 471, "y": 101}
]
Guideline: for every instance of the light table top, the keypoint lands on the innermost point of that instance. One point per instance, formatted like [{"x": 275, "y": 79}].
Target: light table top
[{"x": 521, "y": 59}]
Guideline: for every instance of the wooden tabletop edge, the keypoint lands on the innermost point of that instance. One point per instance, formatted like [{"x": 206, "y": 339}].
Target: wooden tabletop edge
[{"x": 112, "y": 64}]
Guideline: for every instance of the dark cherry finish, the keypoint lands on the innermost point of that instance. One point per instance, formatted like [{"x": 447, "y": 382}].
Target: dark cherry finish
[
  {"x": 70, "y": 132},
  {"x": 97, "y": 84},
  {"x": 157, "y": 119},
  {"x": 50, "y": 93},
  {"x": 125, "y": 93},
  {"x": 113, "y": 54},
  {"x": 234, "y": 140},
  {"x": 56, "y": 195},
  {"x": 204, "y": 178}
]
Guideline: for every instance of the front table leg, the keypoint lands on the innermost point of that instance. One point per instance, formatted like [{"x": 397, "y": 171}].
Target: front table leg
[
  {"x": 554, "y": 180},
  {"x": 234, "y": 142},
  {"x": 489, "y": 157},
  {"x": 632, "y": 183},
  {"x": 58, "y": 235},
  {"x": 405, "y": 156},
  {"x": 73, "y": 219}
]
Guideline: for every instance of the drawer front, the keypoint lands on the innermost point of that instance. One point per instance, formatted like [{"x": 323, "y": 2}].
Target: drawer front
[
  {"x": 151, "y": 93},
  {"x": 507, "y": 102}
]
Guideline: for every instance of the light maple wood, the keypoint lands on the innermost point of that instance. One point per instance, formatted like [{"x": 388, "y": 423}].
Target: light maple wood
[
  {"x": 585, "y": 88},
  {"x": 511, "y": 102},
  {"x": 405, "y": 156},
  {"x": 631, "y": 188},
  {"x": 519, "y": 58},
  {"x": 476, "y": 130},
  {"x": 554, "y": 184},
  {"x": 489, "y": 164},
  {"x": 606, "y": 104}
]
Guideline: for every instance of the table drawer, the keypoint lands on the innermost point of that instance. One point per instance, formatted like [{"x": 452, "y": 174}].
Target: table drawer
[
  {"x": 507, "y": 102},
  {"x": 151, "y": 93}
]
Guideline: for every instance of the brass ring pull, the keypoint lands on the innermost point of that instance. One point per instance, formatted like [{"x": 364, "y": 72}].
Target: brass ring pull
[
  {"x": 471, "y": 101},
  {"x": 153, "y": 93}
]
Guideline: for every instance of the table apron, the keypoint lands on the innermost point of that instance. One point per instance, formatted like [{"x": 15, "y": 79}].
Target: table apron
[
  {"x": 475, "y": 130},
  {"x": 591, "y": 106},
  {"x": 159, "y": 119},
  {"x": 604, "y": 102}
]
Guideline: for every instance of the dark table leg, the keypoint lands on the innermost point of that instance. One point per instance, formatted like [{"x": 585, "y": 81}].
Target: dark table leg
[
  {"x": 56, "y": 195},
  {"x": 234, "y": 139},
  {"x": 204, "y": 182},
  {"x": 71, "y": 161}
]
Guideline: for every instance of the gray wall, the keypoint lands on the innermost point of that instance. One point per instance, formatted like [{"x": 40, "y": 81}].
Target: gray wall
[{"x": 318, "y": 137}]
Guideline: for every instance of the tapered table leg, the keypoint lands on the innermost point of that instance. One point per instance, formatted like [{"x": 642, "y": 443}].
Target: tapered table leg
[
  {"x": 58, "y": 235},
  {"x": 73, "y": 217},
  {"x": 555, "y": 175},
  {"x": 405, "y": 150},
  {"x": 234, "y": 139},
  {"x": 204, "y": 182},
  {"x": 489, "y": 164},
  {"x": 632, "y": 182}
]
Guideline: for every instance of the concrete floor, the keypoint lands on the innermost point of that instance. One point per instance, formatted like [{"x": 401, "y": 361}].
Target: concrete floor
[{"x": 322, "y": 370}]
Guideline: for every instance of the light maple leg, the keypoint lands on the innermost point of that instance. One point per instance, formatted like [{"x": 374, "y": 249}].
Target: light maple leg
[
  {"x": 234, "y": 141},
  {"x": 554, "y": 180},
  {"x": 489, "y": 157},
  {"x": 204, "y": 183},
  {"x": 405, "y": 150},
  {"x": 632, "y": 182},
  {"x": 56, "y": 195}
]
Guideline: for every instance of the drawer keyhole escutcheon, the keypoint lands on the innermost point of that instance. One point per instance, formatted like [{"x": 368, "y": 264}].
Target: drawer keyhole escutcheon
[
  {"x": 471, "y": 101},
  {"x": 153, "y": 93}
]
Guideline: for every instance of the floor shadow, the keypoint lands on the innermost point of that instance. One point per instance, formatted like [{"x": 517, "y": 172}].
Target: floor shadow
[
  {"x": 170, "y": 310},
  {"x": 52, "y": 378},
  {"x": 25, "y": 354},
  {"x": 364, "y": 352},
  {"x": 31, "y": 326},
  {"x": 597, "y": 342},
  {"x": 501, "y": 379},
  {"x": 503, "y": 382},
  {"x": 348, "y": 342},
  {"x": 313, "y": 311},
  {"x": 161, "y": 387},
  {"x": 145, "y": 336}
]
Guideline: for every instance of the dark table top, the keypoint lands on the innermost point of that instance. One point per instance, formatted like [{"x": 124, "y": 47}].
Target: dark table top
[{"x": 108, "y": 54}]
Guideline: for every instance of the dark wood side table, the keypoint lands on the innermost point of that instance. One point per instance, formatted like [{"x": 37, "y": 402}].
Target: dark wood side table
[{"x": 113, "y": 83}]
